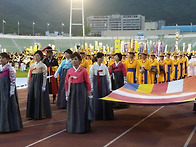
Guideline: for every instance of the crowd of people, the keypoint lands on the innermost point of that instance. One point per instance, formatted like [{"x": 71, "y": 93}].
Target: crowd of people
[{"x": 78, "y": 80}]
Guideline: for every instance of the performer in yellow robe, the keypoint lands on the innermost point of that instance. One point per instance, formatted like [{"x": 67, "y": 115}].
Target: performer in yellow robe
[
  {"x": 88, "y": 58},
  {"x": 176, "y": 67},
  {"x": 84, "y": 63},
  {"x": 181, "y": 68},
  {"x": 123, "y": 58},
  {"x": 168, "y": 67},
  {"x": 131, "y": 65},
  {"x": 154, "y": 68},
  {"x": 143, "y": 69},
  {"x": 111, "y": 61},
  {"x": 161, "y": 77},
  {"x": 185, "y": 59}
]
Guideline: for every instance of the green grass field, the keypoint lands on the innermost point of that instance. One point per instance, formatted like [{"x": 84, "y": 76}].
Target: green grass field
[{"x": 20, "y": 74}]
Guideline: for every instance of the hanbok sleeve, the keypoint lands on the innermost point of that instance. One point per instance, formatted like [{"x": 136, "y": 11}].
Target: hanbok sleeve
[
  {"x": 87, "y": 80},
  {"x": 59, "y": 69},
  {"x": 12, "y": 76},
  {"x": 44, "y": 70},
  {"x": 67, "y": 80},
  {"x": 91, "y": 75},
  {"x": 108, "y": 78}
]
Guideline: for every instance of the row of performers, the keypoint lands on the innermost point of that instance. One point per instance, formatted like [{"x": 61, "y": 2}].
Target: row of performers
[{"x": 75, "y": 90}]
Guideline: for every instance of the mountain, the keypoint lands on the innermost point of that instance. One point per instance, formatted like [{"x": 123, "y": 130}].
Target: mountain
[{"x": 56, "y": 12}]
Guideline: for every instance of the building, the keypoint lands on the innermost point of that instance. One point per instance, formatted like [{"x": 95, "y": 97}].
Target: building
[
  {"x": 183, "y": 28},
  {"x": 156, "y": 25},
  {"x": 151, "y": 25},
  {"x": 114, "y": 23}
]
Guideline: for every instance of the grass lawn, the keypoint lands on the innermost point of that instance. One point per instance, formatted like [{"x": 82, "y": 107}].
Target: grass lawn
[{"x": 20, "y": 74}]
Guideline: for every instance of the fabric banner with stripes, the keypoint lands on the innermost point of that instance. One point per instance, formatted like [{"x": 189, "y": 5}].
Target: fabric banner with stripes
[{"x": 183, "y": 90}]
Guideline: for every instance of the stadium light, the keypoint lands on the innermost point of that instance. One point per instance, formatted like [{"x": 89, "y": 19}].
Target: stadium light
[
  {"x": 4, "y": 22},
  {"x": 18, "y": 27},
  {"x": 48, "y": 27},
  {"x": 78, "y": 9},
  {"x": 62, "y": 28},
  {"x": 33, "y": 28}
]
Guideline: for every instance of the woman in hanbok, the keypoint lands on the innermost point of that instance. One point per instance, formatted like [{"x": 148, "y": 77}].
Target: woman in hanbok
[
  {"x": 118, "y": 76},
  {"x": 118, "y": 72},
  {"x": 10, "y": 118},
  {"x": 101, "y": 87},
  {"x": 38, "y": 103},
  {"x": 78, "y": 91},
  {"x": 64, "y": 66}
]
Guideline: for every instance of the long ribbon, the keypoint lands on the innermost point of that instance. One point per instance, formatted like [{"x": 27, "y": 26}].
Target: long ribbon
[
  {"x": 69, "y": 83},
  {"x": 98, "y": 79}
]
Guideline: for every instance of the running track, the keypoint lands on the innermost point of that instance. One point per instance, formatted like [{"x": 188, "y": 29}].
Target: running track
[{"x": 136, "y": 126}]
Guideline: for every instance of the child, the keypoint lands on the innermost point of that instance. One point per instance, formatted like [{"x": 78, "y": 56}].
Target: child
[
  {"x": 10, "y": 118},
  {"x": 38, "y": 104}
]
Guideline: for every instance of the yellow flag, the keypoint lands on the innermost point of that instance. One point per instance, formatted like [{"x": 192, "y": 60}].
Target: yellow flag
[
  {"x": 136, "y": 49},
  {"x": 117, "y": 45}
]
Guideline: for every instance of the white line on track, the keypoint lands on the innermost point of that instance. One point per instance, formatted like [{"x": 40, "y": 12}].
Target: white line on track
[
  {"x": 45, "y": 138},
  {"x": 53, "y": 113},
  {"x": 190, "y": 137},
  {"x": 115, "y": 139},
  {"x": 45, "y": 123}
]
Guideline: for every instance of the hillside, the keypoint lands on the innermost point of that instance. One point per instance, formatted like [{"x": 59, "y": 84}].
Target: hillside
[{"x": 56, "y": 12}]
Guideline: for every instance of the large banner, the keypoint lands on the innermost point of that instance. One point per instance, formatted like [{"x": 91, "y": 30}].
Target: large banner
[{"x": 172, "y": 92}]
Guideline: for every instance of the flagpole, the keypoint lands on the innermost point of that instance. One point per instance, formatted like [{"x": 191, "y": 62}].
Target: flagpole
[
  {"x": 33, "y": 28},
  {"x": 18, "y": 27},
  {"x": 3, "y": 27}
]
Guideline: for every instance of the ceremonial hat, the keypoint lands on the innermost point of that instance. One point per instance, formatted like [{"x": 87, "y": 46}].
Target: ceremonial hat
[
  {"x": 112, "y": 52},
  {"x": 152, "y": 53},
  {"x": 168, "y": 52},
  {"x": 180, "y": 54},
  {"x": 175, "y": 54},
  {"x": 47, "y": 49},
  {"x": 132, "y": 51},
  {"x": 123, "y": 54},
  {"x": 144, "y": 52},
  {"x": 59, "y": 54},
  {"x": 161, "y": 55},
  {"x": 82, "y": 51}
]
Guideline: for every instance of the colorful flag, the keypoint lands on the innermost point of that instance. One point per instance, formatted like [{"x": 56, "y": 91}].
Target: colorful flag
[
  {"x": 117, "y": 45},
  {"x": 172, "y": 92}
]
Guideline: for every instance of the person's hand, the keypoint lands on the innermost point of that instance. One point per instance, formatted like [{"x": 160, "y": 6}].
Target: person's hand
[
  {"x": 90, "y": 97},
  {"x": 43, "y": 88},
  {"x": 66, "y": 98},
  {"x": 11, "y": 93},
  {"x": 55, "y": 75}
]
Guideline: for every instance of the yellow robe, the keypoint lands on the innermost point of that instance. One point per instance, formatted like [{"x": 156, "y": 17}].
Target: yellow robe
[
  {"x": 153, "y": 75},
  {"x": 181, "y": 68},
  {"x": 111, "y": 62},
  {"x": 143, "y": 78},
  {"x": 131, "y": 66},
  {"x": 85, "y": 64},
  {"x": 161, "y": 77},
  {"x": 176, "y": 67},
  {"x": 185, "y": 71},
  {"x": 168, "y": 69}
]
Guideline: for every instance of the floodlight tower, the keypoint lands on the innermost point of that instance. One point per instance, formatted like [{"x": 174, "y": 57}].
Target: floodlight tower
[{"x": 76, "y": 9}]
